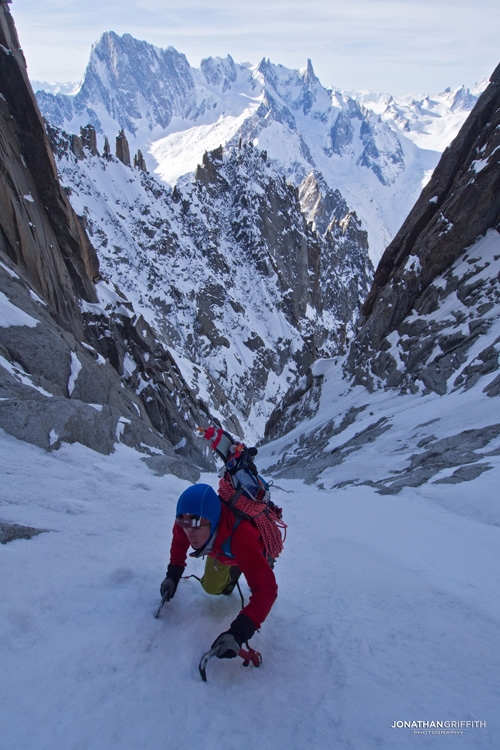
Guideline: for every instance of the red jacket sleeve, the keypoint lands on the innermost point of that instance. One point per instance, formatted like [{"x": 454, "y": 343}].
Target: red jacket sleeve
[
  {"x": 179, "y": 547},
  {"x": 248, "y": 549}
]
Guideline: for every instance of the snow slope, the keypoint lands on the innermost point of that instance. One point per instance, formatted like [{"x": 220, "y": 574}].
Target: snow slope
[{"x": 387, "y": 612}]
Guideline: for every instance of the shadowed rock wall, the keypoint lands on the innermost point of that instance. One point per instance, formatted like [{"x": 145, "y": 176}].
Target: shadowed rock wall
[{"x": 39, "y": 231}]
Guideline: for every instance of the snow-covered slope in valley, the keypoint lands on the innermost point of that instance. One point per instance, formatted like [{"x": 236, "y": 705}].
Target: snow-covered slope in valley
[{"x": 378, "y": 151}]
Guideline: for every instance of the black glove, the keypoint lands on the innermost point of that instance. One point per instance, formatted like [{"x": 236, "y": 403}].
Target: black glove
[
  {"x": 228, "y": 644},
  {"x": 167, "y": 589},
  {"x": 169, "y": 583}
]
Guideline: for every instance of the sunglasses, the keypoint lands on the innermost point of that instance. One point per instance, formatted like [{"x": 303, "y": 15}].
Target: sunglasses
[{"x": 191, "y": 522}]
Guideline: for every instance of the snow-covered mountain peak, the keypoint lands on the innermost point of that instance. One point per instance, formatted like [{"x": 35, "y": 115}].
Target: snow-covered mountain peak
[
  {"x": 137, "y": 81},
  {"x": 429, "y": 121},
  {"x": 376, "y": 149},
  {"x": 219, "y": 72},
  {"x": 308, "y": 74},
  {"x": 56, "y": 87}
]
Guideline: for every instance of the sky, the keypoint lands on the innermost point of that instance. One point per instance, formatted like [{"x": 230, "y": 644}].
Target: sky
[{"x": 398, "y": 46}]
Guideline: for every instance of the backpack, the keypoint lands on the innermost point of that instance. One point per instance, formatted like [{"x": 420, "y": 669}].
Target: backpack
[{"x": 244, "y": 491}]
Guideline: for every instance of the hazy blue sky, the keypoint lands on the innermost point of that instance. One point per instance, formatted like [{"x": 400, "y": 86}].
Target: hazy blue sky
[{"x": 400, "y": 46}]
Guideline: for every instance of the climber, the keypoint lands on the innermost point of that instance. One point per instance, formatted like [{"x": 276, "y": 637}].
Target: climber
[{"x": 232, "y": 546}]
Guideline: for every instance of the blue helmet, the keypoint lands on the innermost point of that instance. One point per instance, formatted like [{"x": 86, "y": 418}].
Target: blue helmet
[{"x": 200, "y": 500}]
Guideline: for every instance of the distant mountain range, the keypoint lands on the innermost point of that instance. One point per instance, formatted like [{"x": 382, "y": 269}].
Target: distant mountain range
[{"x": 378, "y": 151}]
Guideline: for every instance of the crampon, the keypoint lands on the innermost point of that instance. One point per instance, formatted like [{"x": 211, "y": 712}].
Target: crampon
[{"x": 249, "y": 656}]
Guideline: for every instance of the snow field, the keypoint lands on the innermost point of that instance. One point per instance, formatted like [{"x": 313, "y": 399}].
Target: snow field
[{"x": 387, "y": 611}]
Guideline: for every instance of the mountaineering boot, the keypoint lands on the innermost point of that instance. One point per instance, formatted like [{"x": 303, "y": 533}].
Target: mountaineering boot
[{"x": 234, "y": 574}]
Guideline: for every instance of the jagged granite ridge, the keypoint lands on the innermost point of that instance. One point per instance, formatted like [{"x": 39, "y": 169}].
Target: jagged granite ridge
[{"x": 226, "y": 267}]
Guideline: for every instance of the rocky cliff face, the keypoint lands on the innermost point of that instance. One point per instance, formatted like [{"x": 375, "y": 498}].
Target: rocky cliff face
[
  {"x": 40, "y": 232},
  {"x": 76, "y": 362},
  {"x": 345, "y": 268},
  {"x": 434, "y": 295}
]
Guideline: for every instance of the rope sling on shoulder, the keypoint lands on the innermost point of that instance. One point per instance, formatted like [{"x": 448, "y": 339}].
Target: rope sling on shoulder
[{"x": 260, "y": 513}]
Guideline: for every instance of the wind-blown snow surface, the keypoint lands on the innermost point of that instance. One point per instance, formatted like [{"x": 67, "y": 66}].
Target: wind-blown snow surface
[{"x": 387, "y": 611}]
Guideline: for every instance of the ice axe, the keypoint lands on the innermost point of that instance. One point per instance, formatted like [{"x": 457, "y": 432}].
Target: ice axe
[{"x": 165, "y": 598}]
